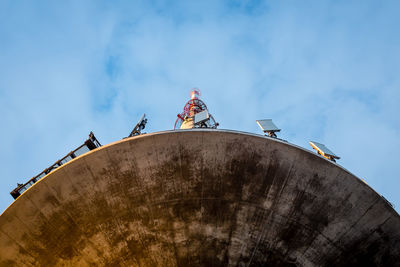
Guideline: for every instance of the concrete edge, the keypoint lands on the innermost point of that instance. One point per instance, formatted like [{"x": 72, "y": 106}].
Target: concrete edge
[{"x": 235, "y": 132}]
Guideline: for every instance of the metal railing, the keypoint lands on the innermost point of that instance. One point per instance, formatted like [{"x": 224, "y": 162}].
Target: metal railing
[{"x": 90, "y": 144}]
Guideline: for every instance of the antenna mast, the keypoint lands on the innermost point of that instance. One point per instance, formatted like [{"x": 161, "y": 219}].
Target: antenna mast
[{"x": 195, "y": 114}]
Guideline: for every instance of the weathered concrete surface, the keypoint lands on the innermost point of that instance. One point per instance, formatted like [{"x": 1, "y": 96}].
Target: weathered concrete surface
[{"x": 200, "y": 198}]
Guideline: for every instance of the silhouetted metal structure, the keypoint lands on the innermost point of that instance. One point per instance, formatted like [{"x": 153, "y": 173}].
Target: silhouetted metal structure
[
  {"x": 90, "y": 144},
  {"x": 139, "y": 126}
]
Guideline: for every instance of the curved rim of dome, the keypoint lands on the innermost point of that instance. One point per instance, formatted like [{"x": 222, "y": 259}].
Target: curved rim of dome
[{"x": 146, "y": 135}]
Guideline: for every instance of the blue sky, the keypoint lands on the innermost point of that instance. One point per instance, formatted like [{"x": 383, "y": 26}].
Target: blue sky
[{"x": 323, "y": 70}]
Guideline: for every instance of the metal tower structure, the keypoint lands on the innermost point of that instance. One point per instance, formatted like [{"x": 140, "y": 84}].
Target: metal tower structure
[{"x": 195, "y": 114}]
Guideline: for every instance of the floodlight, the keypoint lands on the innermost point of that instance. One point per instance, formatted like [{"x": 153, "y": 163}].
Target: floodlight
[
  {"x": 324, "y": 151},
  {"x": 201, "y": 117},
  {"x": 267, "y": 126}
]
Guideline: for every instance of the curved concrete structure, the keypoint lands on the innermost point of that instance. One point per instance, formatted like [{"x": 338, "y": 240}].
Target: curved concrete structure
[{"x": 200, "y": 198}]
